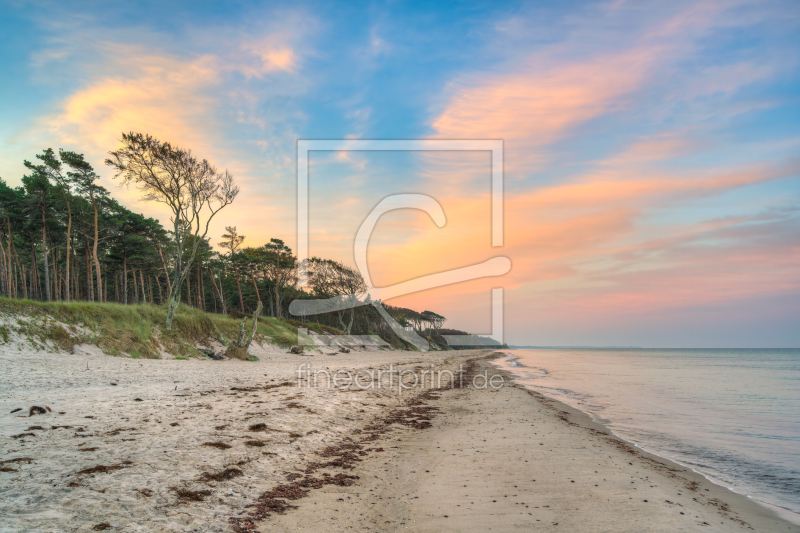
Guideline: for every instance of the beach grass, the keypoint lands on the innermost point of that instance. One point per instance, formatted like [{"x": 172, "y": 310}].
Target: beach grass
[{"x": 136, "y": 330}]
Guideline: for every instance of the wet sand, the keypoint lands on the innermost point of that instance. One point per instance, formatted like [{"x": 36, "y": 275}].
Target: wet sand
[
  {"x": 511, "y": 460},
  {"x": 233, "y": 445}
]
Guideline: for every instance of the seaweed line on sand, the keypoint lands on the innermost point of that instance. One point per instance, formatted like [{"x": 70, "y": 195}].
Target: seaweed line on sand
[{"x": 415, "y": 414}]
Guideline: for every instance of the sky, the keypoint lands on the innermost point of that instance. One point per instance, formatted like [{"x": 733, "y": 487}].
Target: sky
[{"x": 650, "y": 149}]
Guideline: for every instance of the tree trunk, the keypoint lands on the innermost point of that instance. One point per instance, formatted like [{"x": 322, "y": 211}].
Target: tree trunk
[
  {"x": 201, "y": 300},
  {"x": 255, "y": 325},
  {"x": 253, "y": 278},
  {"x": 28, "y": 294},
  {"x": 89, "y": 281},
  {"x": 69, "y": 240},
  {"x": 219, "y": 292},
  {"x": 21, "y": 270},
  {"x": 241, "y": 301},
  {"x": 6, "y": 285},
  {"x": 46, "y": 261},
  {"x": 125, "y": 279},
  {"x": 56, "y": 286},
  {"x": 34, "y": 270},
  {"x": 188, "y": 288},
  {"x": 163, "y": 264},
  {"x": 12, "y": 275},
  {"x": 94, "y": 246},
  {"x": 174, "y": 301},
  {"x": 76, "y": 286},
  {"x": 3, "y": 250},
  {"x": 271, "y": 303},
  {"x": 16, "y": 260}
]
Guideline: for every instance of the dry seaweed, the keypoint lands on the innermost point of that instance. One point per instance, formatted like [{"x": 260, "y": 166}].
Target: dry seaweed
[
  {"x": 102, "y": 526},
  {"x": 284, "y": 384},
  {"x": 104, "y": 469},
  {"x": 4, "y": 468},
  {"x": 275, "y": 500},
  {"x": 36, "y": 410},
  {"x": 416, "y": 414},
  {"x": 26, "y": 460},
  {"x": 218, "y": 445},
  {"x": 255, "y": 443},
  {"x": 258, "y": 427},
  {"x": 186, "y": 495},
  {"x": 224, "y": 475}
]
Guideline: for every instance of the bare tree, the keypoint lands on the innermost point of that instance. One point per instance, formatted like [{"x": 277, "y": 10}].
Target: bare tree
[{"x": 193, "y": 190}]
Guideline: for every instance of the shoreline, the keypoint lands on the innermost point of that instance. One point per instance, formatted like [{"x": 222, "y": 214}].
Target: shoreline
[
  {"x": 236, "y": 445},
  {"x": 785, "y": 514},
  {"x": 716, "y": 507}
]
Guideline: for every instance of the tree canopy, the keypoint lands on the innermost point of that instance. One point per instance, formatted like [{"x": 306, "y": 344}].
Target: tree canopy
[{"x": 64, "y": 237}]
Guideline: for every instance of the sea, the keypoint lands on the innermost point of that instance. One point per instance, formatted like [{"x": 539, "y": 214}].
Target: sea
[{"x": 732, "y": 415}]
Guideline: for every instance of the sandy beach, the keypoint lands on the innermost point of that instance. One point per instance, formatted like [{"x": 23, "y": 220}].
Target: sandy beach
[{"x": 172, "y": 445}]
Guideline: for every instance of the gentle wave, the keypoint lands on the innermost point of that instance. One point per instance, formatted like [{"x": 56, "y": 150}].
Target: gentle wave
[{"x": 732, "y": 415}]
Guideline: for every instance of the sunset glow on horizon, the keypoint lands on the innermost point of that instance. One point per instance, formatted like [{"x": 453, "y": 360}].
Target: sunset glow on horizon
[{"x": 651, "y": 169}]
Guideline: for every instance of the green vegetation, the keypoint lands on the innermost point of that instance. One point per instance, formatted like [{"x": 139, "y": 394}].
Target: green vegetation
[
  {"x": 66, "y": 241},
  {"x": 137, "y": 330}
]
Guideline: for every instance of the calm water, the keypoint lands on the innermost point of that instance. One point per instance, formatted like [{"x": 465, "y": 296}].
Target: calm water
[{"x": 733, "y": 415}]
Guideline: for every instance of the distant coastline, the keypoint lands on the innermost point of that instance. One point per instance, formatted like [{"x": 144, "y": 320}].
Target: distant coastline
[{"x": 514, "y": 347}]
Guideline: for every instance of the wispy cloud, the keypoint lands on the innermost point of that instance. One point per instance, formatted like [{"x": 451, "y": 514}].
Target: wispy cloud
[
  {"x": 647, "y": 169},
  {"x": 221, "y": 103},
  {"x": 586, "y": 234}
]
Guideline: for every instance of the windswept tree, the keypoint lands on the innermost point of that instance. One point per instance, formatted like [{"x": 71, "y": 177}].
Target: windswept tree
[
  {"x": 37, "y": 185},
  {"x": 193, "y": 189},
  {"x": 332, "y": 279},
  {"x": 280, "y": 267},
  {"x": 231, "y": 243},
  {"x": 51, "y": 167},
  {"x": 84, "y": 176}
]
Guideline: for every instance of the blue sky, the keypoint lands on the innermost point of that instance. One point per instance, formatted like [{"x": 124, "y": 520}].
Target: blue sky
[{"x": 651, "y": 166}]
